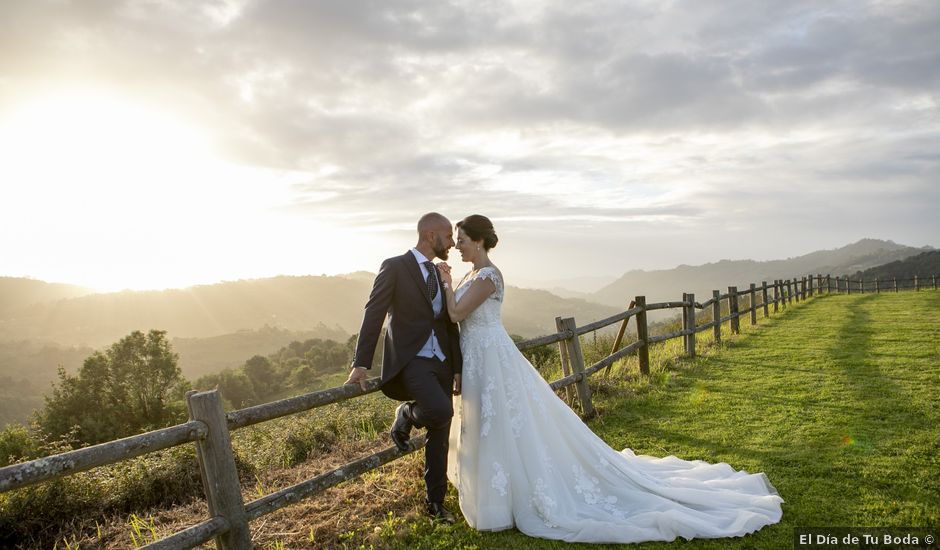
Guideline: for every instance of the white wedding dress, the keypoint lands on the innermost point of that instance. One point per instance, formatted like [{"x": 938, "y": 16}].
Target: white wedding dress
[{"x": 520, "y": 457}]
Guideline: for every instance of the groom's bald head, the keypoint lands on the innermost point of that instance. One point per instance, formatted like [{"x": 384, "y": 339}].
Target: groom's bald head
[
  {"x": 435, "y": 235},
  {"x": 432, "y": 221}
]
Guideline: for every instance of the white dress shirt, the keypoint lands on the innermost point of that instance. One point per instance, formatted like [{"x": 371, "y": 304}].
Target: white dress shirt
[{"x": 431, "y": 348}]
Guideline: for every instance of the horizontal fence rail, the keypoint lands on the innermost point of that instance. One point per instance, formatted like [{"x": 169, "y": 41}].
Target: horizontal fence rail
[
  {"x": 51, "y": 467},
  {"x": 292, "y": 405},
  {"x": 192, "y": 537},
  {"x": 209, "y": 425}
]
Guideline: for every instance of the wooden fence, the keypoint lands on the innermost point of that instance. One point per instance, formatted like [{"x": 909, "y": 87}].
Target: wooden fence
[{"x": 209, "y": 425}]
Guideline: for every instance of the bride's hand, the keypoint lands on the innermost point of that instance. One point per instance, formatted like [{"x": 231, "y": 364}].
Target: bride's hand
[{"x": 444, "y": 272}]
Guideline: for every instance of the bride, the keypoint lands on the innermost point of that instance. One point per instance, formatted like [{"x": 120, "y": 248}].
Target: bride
[{"x": 520, "y": 457}]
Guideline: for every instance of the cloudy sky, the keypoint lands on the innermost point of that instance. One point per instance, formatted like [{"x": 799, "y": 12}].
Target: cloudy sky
[{"x": 162, "y": 143}]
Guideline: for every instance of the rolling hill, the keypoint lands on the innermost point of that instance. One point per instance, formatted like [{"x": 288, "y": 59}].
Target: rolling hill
[
  {"x": 288, "y": 303},
  {"x": 663, "y": 285},
  {"x": 923, "y": 265},
  {"x": 17, "y": 293}
]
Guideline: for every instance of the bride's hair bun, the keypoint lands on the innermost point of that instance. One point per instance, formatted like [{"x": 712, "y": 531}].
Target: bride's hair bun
[{"x": 479, "y": 228}]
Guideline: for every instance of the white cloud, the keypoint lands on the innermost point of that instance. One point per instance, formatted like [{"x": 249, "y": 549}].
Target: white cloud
[{"x": 774, "y": 128}]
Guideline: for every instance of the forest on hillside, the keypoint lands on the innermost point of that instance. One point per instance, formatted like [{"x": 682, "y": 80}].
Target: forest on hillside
[
  {"x": 136, "y": 385},
  {"x": 924, "y": 266},
  {"x": 28, "y": 368}
]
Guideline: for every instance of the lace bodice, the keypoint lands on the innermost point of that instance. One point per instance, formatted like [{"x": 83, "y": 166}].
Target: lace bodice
[{"x": 487, "y": 315}]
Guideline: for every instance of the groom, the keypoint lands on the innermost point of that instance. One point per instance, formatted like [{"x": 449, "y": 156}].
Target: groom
[{"x": 421, "y": 361}]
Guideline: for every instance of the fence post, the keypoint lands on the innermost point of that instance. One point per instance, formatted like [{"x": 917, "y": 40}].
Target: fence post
[
  {"x": 576, "y": 359},
  {"x": 916, "y": 285},
  {"x": 803, "y": 289},
  {"x": 838, "y": 284},
  {"x": 763, "y": 290},
  {"x": 565, "y": 361},
  {"x": 791, "y": 285},
  {"x": 935, "y": 282},
  {"x": 877, "y": 285},
  {"x": 776, "y": 295},
  {"x": 219, "y": 474},
  {"x": 685, "y": 322},
  {"x": 716, "y": 315},
  {"x": 848, "y": 285},
  {"x": 828, "y": 283},
  {"x": 733, "y": 309},
  {"x": 810, "y": 286},
  {"x": 753, "y": 305},
  {"x": 619, "y": 339},
  {"x": 895, "y": 284},
  {"x": 690, "y": 325},
  {"x": 861, "y": 286},
  {"x": 642, "y": 333}
]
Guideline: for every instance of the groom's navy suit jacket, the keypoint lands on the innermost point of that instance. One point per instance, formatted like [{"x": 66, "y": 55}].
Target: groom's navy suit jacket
[{"x": 400, "y": 292}]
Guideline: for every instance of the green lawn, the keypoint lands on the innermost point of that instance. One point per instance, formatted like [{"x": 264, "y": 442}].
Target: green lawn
[{"x": 835, "y": 399}]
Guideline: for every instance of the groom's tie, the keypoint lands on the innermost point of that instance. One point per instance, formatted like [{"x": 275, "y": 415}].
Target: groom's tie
[{"x": 432, "y": 280}]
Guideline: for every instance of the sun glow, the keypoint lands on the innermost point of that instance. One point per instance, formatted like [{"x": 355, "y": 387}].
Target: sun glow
[{"x": 104, "y": 192}]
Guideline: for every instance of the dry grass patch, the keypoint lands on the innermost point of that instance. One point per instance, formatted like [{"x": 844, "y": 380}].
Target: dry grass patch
[{"x": 362, "y": 509}]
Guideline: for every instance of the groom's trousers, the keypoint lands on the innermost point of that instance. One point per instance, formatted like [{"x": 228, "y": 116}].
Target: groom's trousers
[{"x": 430, "y": 383}]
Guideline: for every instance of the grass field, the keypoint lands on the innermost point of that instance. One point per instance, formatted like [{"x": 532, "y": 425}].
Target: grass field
[{"x": 834, "y": 399}]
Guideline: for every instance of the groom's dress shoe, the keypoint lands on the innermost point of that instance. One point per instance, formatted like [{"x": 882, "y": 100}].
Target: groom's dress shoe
[
  {"x": 437, "y": 511},
  {"x": 401, "y": 428}
]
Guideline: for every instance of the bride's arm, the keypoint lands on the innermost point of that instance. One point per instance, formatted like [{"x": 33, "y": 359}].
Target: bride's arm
[{"x": 479, "y": 291}]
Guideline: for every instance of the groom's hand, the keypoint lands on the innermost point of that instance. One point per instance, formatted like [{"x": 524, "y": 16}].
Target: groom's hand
[
  {"x": 358, "y": 375},
  {"x": 456, "y": 384}
]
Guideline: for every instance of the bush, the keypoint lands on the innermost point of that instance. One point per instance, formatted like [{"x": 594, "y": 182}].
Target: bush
[{"x": 18, "y": 443}]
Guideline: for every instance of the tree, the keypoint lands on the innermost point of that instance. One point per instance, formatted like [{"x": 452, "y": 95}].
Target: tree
[
  {"x": 260, "y": 371},
  {"x": 237, "y": 388},
  {"x": 134, "y": 386}
]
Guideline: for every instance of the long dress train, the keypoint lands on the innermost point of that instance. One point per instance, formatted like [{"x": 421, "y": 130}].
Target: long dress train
[{"x": 520, "y": 457}]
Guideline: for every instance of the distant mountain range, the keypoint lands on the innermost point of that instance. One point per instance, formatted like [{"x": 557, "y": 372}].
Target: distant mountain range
[
  {"x": 669, "y": 284},
  {"x": 332, "y": 303},
  {"x": 289, "y": 303},
  {"x": 17, "y": 293},
  {"x": 574, "y": 287}
]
